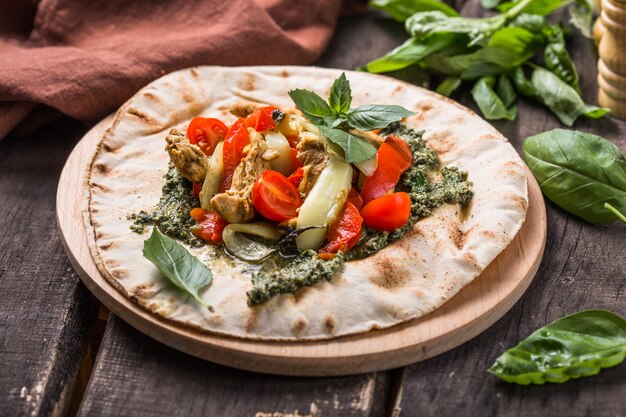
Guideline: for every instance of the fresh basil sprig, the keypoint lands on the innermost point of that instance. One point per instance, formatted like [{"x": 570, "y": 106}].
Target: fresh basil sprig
[
  {"x": 175, "y": 263},
  {"x": 336, "y": 118},
  {"x": 572, "y": 347},
  {"x": 470, "y": 49},
  {"x": 580, "y": 172}
]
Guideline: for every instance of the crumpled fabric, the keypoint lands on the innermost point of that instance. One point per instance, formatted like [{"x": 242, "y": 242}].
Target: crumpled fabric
[{"x": 85, "y": 58}]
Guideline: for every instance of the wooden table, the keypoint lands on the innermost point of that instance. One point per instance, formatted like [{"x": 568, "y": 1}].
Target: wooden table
[{"x": 52, "y": 343}]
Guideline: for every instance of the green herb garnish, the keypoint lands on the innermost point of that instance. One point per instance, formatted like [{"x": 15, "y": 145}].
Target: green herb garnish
[
  {"x": 336, "y": 117},
  {"x": 175, "y": 263},
  {"x": 572, "y": 347},
  {"x": 579, "y": 171},
  {"x": 482, "y": 49}
]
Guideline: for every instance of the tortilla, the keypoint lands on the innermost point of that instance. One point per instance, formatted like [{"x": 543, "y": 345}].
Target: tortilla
[{"x": 406, "y": 280}]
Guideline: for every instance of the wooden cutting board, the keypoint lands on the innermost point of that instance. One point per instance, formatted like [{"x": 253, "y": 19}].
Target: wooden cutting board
[{"x": 470, "y": 312}]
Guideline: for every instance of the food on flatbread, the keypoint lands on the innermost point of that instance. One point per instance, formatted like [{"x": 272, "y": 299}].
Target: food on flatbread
[
  {"x": 303, "y": 189},
  {"x": 286, "y": 289}
]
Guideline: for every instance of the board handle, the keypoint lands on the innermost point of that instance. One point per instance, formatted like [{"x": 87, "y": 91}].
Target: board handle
[{"x": 612, "y": 51}]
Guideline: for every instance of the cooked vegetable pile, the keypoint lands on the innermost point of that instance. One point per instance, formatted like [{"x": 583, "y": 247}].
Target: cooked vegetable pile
[
  {"x": 498, "y": 54},
  {"x": 299, "y": 192}
]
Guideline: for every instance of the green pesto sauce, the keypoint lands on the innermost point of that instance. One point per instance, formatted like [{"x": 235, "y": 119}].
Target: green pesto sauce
[
  {"x": 171, "y": 214},
  {"x": 428, "y": 185}
]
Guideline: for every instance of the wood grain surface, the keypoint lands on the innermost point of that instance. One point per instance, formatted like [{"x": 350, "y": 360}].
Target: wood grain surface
[
  {"x": 45, "y": 312},
  {"x": 584, "y": 267},
  {"x": 471, "y": 311}
]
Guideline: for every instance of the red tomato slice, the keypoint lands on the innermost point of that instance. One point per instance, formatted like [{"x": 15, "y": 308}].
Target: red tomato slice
[
  {"x": 236, "y": 139},
  {"x": 209, "y": 226},
  {"x": 261, "y": 119},
  {"x": 355, "y": 198},
  {"x": 345, "y": 232},
  {"x": 206, "y": 133},
  {"x": 275, "y": 197},
  {"x": 394, "y": 157},
  {"x": 388, "y": 212},
  {"x": 296, "y": 177}
]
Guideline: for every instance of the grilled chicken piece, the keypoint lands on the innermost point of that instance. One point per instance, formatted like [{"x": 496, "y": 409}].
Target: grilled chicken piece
[
  {"x": 188, "y": 159},
  {"x": 313, "y": 155},
  {"x": 244, "y": 108},
  {"x": 235, "y": 205}
]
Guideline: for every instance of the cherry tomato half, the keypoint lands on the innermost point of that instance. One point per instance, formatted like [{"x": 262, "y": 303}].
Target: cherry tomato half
[
  {"x": 236, "y": 139},
  {"x": 261, "y": 119},
  {"x": 388, "y": 212},
  {"x": 394, "y": 157},
  {"x": 275, "y": 197},
  {"x": 209, "y": 225},
  {"x": 206, "y": 133},
  {"x": 345, "y": 232}
]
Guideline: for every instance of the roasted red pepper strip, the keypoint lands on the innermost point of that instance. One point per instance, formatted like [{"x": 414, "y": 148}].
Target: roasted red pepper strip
[
  {"x": 196, "y": 188},
  {"x": 261, "y": 119},
  {"x": 388, "y": 212},
  {"x": 296, "y": 177},
  {"x": 394, "y": 157},
  {"x": 355, "y": 198},
  {"x": 209, "y": 225},
  {"x": 234, "y": 143},
  {"x": 345, "y": 232}
]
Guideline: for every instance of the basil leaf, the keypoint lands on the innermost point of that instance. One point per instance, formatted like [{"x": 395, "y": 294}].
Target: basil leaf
[
  {"x": 523, "y": 84},
  {"x": 540, "y": 7},
  {"x": 448, "y": 86},
  {"x": 557, "y": 58},
  {"x": 175, "y": 263},
  {"x": 411, "y": 52},
  {"x": 579, "y": 172},
  {"x": 426, "y": 23},
  {"x": 581, "y": 16},
  {"x": 401, "y": 10},
  {"x": 355, "y": 149},
  {"x": 340, "y": 95},
  {"x": 508, "y": 48},
  {"x": 310, "y": 104},
  {"x": 376, "y": 116},
  {"x": 490, "y": 4},
  {"x": 561, "y": 98},
  {"x": 575, "y": 346},
  {"x": 531, "y": 22},
  {"x": 615, "y": 211},
  {"x": 505, "y": 90},
  {"x": 488, "y": 101}
]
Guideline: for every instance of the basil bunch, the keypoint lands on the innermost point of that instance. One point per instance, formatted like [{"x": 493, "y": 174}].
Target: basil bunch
[
  {"x": 583, "y": 173},
  {"x": 493, "y": 52},
  {"x": 336, "y": 118},
  {"x": 572, "y": 347}
]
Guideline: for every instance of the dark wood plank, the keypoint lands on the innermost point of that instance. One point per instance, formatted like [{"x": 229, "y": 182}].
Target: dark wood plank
[
  {"x": 584, "y": 267},
  {"x": 45, "y": 312},
  {"x": 135, "y": 375}
]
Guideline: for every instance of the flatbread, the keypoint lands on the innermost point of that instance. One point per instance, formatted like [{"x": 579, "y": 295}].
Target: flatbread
[{"x": 406, "y": 280}]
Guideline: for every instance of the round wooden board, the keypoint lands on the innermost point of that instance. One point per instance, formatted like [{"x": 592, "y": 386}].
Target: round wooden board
[{"x": 467, "y": 314}]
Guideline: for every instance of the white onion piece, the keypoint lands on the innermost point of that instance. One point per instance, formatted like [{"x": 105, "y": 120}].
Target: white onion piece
[
  {"x": 324, "y": 202},
  {"x": 284, "y": 162},
  {"x": 213, "y": 178},
  {"x": 291, "y": 124},
  {"x": 242, "y": 247},
  {"x": 368, "y": 166}
]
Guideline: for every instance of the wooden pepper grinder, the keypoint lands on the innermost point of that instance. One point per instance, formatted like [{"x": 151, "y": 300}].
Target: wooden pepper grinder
[{"x": 611, "y": 30}]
